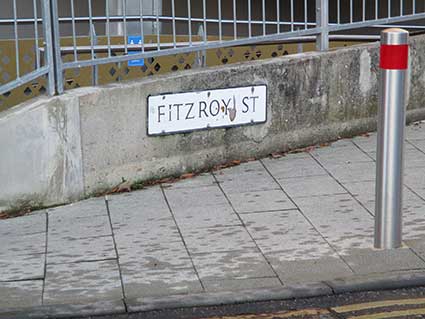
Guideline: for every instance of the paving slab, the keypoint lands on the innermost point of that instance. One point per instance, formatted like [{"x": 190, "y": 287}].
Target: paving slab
[
  {"x": 366, "y": 143},
  {"x": 246, "y": 263},
  {"x": 207, "y": 217},
  {"x": 367, "y": 261},
  {"x": 364, "y": 192},
  {"x": 157, "y": 256},
  {"x": 141, "y": 205},
  {"x": 340, "y": 155},
  {"x": 287, "y": 234},
  {"x": 82, "y": 282},
  {"x": 25, "y": 225},
  {"x": 76, "y": 250},
  {"x": 413, "y": 207},
  {"x": 311, "y": 186},
  {"x": 291, "y": 166},
  {"x": 415, "y": 131},
  {"x": 307, "y": 270},
  {"x": 86, "y": 208},
  {"x": 205, "y": 179},
  {"x": 181, "y": 199},
  {"x": 218, "y": 239},
  {"x": 415, "y": 179},
  {"x": 246, "y": 179},
  {"x": 417, "y": 246},
  {"x": 241, "y": 284},
  {"x": 353, "y": 171},
  {"x": 23, "y": 245},
  {"x": 22, "y": 267},
  {"x": 332, "y": 214},
  {"x": 23, "y": 293},
  {"x": 412, "y": 157},
  {"x": 140, "y": 281},
  {"x": 146, "y": 235},
  {"x": 82, "y": 227},
  {"x": 260, "y": 201}
]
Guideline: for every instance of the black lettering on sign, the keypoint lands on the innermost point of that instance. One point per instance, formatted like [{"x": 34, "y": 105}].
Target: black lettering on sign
[
  {"x": 253, "y": 102},
  {"x": 246, "y": 106},
  {"x": 202, "y": 109},
  {"x": 226, "y": 105},
  {"x": 169, "y": 112},
  {"x": 159, "y": 113},
  {"x": 178, "y": 110},
  {"x": 189, "y": 112},
  {"x": 217, "y": 107}
]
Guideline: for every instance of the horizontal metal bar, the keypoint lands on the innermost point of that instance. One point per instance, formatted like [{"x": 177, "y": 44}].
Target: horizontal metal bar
[
  {"x": 136, "y": 18},
  {"x": 402, "y": 26},
  {"x": 204, "y": 46},
  {"x": 23, "y": 79},
  {"x": 152, "y": 46},
  {"x": 363, "y": 24}
]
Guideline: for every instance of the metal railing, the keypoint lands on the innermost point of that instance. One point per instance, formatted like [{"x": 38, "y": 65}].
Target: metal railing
[{"x": 120, "y": 31}]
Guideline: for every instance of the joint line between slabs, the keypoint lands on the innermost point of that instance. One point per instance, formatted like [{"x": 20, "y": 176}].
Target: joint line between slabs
[
  {"x": 404, "y": 184},
  {"x": 342, "y": 185},
  {"x": 45, "y": 258},
  {"x": 116, "y": 253},
  {"x": 181, "y": 237},
  {"x": 246, "y": 229},
  {"x": 308, "y": 219}
]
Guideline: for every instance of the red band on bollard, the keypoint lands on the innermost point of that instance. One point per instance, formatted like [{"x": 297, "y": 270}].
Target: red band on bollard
[{"x": 394, "y": 57}]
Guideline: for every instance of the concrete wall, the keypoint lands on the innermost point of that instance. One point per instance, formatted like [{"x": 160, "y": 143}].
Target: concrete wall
[{"x": 64, "y": 148}]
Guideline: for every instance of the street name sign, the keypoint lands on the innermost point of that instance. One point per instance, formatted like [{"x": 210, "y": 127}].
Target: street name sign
[{"x": 185, "y": 112}]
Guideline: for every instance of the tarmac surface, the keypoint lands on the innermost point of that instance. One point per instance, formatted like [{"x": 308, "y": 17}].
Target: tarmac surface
[{"x": 296, "y": 226}]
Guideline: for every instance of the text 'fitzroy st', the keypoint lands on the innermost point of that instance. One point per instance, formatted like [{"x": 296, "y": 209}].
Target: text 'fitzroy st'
[{"x": 182, "y": 112}]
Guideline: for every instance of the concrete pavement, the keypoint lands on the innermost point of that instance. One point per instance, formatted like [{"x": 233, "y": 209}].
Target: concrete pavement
[{"x": 282, "y": 227}]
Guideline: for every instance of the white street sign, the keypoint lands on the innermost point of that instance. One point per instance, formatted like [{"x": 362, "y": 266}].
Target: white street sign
[{"x": 183, "y": 112}]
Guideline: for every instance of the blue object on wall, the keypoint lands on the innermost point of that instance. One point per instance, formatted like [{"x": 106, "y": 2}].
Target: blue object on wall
[{"x": 135, "y": 39}]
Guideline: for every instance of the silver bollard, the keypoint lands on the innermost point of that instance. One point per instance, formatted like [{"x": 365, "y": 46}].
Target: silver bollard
[{"x": 391, "y": 122}]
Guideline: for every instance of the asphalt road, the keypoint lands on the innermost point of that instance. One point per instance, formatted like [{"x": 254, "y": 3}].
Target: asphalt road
[{"x": 400, "y": 303}]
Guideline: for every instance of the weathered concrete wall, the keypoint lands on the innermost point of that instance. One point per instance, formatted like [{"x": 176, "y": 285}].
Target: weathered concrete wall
[
  {"x": 87, "y": 140},
  {"x": 40, "y": 161}
]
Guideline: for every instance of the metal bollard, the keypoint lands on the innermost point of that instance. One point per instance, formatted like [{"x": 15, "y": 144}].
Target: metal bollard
[{"x": 391, "y": 122}]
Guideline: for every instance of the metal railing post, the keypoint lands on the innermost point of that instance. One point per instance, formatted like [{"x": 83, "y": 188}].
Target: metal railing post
[
  {"x": 48, "y": 46},
  {"x": 394, "y": 54},
  {"x": 322, "y": 22},
  {"x": 56, "y": 46}
]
